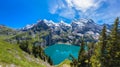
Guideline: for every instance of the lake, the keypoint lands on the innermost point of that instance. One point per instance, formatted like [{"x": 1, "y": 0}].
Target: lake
[{"x": 60, "y": 52}]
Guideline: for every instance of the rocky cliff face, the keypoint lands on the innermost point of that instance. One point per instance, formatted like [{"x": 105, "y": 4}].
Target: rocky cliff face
[
  {"x": 81, "y": 26},
  {"x": 85, "y": 25},
  {"x": 64, "y": 32}
]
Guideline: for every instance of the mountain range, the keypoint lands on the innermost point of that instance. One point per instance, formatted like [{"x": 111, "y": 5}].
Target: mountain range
[{"x": 46, "y": 32}]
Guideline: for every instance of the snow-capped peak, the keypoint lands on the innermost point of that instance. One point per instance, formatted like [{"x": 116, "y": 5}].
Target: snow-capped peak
[
  {"x": 28, "y": 26},
  {"x": 50, "y": 22},
  {"x": 77, "y": 25},
  {"x": 62, "y": 23},
  {"x": 82, "y": 22}
]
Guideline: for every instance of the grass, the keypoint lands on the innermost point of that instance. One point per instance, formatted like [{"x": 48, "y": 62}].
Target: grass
[
  {"x": 11, "y": 54},
  {"x": 65, "y": 63}
]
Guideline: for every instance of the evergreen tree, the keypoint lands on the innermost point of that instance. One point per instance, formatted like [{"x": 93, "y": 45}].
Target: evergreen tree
[
  {"x": 39, "y": 52},
  {"x": 113, "y": 47},
  {"x": 81, "y": 55},
  {"x": 98, "y": 59},
  {"x": 24, "y": 46},
  {"x": 90, "y": 52},
  {"x": 95, "y": 59},
  {"x": 103, "y": 43}
]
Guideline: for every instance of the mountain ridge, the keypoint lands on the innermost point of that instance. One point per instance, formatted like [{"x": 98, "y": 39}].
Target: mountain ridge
[
  {"x": 64, "y": 32},
  {"x": 48, "y": 32}
]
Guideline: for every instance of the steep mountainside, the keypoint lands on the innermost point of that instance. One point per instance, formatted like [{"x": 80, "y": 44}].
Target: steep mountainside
[
  {"x": 12, "y": 56},
  {"x": 6, "y": 31},
  {"x": 65, "y": 33}
]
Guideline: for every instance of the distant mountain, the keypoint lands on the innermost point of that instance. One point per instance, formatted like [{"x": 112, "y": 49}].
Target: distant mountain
[
  {"x": 46, "y": 32},
  {"x": 82, "y": 26},
  {"x": 85, "y": 25},
  {"x": 64, "y": 32}
]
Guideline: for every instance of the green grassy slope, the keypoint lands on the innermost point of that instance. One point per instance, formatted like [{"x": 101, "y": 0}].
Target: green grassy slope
[
  {"x": 12, "y": 55},
  {"x": 65, "y": 63}
]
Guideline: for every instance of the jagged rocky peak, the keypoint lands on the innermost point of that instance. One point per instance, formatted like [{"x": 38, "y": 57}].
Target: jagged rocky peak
[
  {"x": 65, "y": 26},
  {"x": 41, "y": 22},
  {"x": 62, "y": 23},
  {"x": 51, "y": 23},
  {"x": 41, "y": 25},
  {"x": 28, "y": 26},
  {"x": 82, "y": 22},
  {"x": 85, "y": 25},
  {"x": 81, "y": 25}
]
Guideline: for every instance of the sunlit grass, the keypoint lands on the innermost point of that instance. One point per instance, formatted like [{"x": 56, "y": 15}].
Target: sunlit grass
[
  {"x": 64, "y": 63},
  {"x": 12, "y": 54}
]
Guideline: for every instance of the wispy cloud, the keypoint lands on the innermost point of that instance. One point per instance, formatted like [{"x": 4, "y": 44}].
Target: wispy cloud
[
  {"x": 98, "y": 10},
  {"x": 83, "y": 5},
  {"x": 67, "y": 13},
  {"x": 56, "y": 5},
  {"x": 107, "y": 12}
]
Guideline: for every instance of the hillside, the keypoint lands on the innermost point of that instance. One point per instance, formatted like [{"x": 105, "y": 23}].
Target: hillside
[{"x": 12, "y": 56}]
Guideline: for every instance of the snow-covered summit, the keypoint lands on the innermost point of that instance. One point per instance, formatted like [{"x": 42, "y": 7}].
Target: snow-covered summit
[
  {"x": 81, "y": 25},
  {"x": 28, "y": 26}
]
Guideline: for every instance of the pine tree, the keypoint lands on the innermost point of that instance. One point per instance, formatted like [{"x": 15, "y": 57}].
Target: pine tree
[
  {"x": 24, "y": 46},
  {"x": 103, "y": 43},
  {"x": 113, "y": 47},
  {"x": 81, "y": 55},
  {"x": 90, "y": 52},
  {"x": 103, "y": 40},
  {"x": 98, "y": 59}
]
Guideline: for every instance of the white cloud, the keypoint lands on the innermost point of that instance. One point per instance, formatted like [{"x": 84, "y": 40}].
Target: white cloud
[
  {"x": 55, "y": 5},
  {"x": 82, "y": 5},
  {"x": 93, "y": 9},
  {"x": 69, "y": 7},
  {"x": 109, "y": 13},
  {"x": 59, "y": 7}
]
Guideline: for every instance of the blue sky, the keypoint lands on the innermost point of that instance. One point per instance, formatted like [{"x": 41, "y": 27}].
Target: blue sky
[{"x": 18, "y": 13}]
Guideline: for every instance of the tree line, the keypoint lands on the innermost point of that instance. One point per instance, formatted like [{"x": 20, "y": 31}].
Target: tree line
[
  {"x": 104, "y": 53},
  {"x": 35, "y": 50}
]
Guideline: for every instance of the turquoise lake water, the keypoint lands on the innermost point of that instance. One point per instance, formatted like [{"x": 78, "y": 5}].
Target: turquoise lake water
[{"x": 60, "y": 52}]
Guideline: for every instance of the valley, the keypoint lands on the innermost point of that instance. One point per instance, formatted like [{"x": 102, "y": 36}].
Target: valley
[{"x": 49, "y": 44}]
